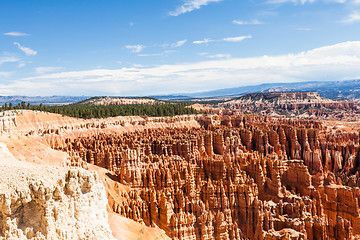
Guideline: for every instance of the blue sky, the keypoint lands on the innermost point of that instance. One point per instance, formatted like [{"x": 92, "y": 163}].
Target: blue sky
[{"x": 141, "y": 47}]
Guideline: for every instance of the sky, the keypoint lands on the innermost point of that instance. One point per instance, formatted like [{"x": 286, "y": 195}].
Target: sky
[{"x": 142, "y": 47}]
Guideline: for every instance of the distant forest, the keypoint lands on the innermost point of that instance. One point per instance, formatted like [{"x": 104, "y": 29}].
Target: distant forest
[{"x": 90, "y": 111}]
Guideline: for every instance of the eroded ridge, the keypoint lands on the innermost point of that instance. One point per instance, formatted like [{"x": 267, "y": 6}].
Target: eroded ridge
[
  {"x": 235, "y": 177},
  {"x": 295, "y": 104}
]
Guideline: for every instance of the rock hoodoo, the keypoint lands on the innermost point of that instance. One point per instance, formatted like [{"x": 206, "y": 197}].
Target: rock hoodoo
[{"x": 234, "y": 177}]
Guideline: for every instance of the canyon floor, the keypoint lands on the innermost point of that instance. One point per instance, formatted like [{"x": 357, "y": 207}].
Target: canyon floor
[{"x": 239, "y": 176}]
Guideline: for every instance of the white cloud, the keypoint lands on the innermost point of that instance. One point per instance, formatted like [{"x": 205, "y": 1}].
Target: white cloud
[
  {"x": 5, "y": 74},
  {"x": 303, "y": 29},
  {"x": 302, "y": 2},
  {"x": 237, "y": 39},
  {"x": 291, "y": 1},
  {"x": 179, "y": 43},
  {"x": 354, "y": 2},
  {"x": 150, "y": 54},
  {"x": 43, "y": 70},
  {"x": 164, "y": 53},
  {"x": 220, "y": 55},
  {"x": 203, "y": 53},
  {"x": 135, "y": 48},
  {"x": 334, "y": 62},
  {"x": 227, "y": 39},
  {"x": 21, "y": 64},
  {"x": 8, "y": 59},
  {"x": 352, "y": 18},
  {"x": 16, "y": 34},
  {"x": 175, "y": 44},
  {"x": 191, "y": 5},
  {"x": 206, "y": 40},
  {"x": 252, "y": 22},
  {"x": 26, "y": 50}
]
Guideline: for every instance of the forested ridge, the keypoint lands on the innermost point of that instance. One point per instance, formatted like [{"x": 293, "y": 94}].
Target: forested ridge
[{"x": 90, "y": 111}]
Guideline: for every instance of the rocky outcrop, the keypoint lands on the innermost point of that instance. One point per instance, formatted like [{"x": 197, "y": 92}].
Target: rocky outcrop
[
  {"x": 7, "y": 121},
  {"x": 39, "y": 202}
]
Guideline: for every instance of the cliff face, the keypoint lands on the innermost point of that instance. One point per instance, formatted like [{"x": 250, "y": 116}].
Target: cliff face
[
  {"x": 294, "y": 104},
  {"x": 236, "y": 177},
  {"x": 39, "y": 202}
]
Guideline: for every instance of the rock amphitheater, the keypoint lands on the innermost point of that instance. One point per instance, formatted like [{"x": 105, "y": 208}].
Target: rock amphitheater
[
  {"x": 184, "y": 177},
  {"x": 295, "y": 104}
]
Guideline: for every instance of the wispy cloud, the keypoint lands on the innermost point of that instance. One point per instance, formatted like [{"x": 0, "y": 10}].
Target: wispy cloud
[
  {"x": 43, "y": 70},
  {"x": 179, "y": 43},
  {"x": 352, "y": 18},
  {"x": 26, "y": 50},
  {"x": 252, "y": 22},
  {"x": 5, "y": 74},
  {"x": 164, "y": 53},
  {"x": 227, "y": 39},
  {"x": 303, "y": 29},
  {"x": 21, "y": 64},
  {"x": 8, "y": 60},
  {"x": 220, "y": 55},
  {"x": 135, "y": 48},
  {"x": 354, "y": 2},
  {"x": 16, "y": 34},
  {"x": 237, "y": 39},
  {"x": 206, "y": 40},
  {"x": 203, "y": 53},
  {"x": 149, "y": 54},
  {"x": 291, "y": 1},
  {"x": 174, "y": 44},
  {"x": 191, "y": 5},
  {"x": 340, "y": 61},
  {"x": 302, "y": 2}
]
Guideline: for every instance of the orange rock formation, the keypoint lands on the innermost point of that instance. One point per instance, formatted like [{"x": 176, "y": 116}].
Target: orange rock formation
[
  {"x": 230, "y": 177},
  {"x": 294, "y": 104}
]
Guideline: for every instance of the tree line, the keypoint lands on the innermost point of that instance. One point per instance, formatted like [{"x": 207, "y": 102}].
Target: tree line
[{"x": 91, "y": 111}]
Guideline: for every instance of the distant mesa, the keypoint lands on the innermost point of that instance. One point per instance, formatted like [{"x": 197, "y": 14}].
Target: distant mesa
[
  {"x": 48, "y": 100},
  {"x": 278, "y": 98},
  {"x": 294, "y": 104},
  {"x": 105, "y": 101},
  {"x": 349, "y": 89}
]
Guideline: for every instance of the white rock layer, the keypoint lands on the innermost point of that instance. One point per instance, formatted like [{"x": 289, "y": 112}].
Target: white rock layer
[{"x": 42, "y": 202}]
